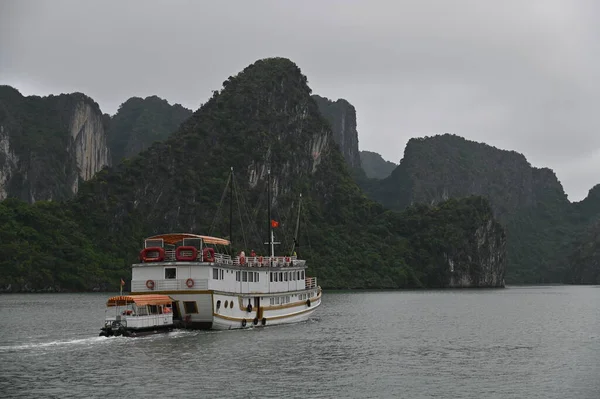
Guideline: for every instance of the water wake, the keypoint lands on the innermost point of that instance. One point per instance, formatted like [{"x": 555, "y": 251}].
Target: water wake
[{"x": 38, "y": 345}]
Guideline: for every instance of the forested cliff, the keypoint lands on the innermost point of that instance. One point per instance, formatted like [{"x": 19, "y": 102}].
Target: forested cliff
[
  {"x": 263, "y": 118},
  {"x": 48, "y": 145},
  {"x": 541, "y": 223}
]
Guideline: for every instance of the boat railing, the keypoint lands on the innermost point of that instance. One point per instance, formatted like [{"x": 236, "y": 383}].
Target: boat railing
[
  {"x": 268, "y": 261},
  {"x": 169, "y": 285},
  {"x": 170, "y": 255},
  {"x": 222, "y": 259},
  {"x": 311, "y": 282},
  {"x": 248, "y": 261}
]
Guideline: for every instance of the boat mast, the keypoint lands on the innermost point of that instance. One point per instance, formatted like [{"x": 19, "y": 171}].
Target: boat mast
[
  {"x": 269, "y": 212},
  {"x": 271, "y": 243},
  {"x": 231, "y": 211},
  {"x": 297, "y": 225}
]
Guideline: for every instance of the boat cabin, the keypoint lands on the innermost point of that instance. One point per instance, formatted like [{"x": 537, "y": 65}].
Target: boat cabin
[
  {"x": 181, "y": 261},
  {"x": 137, "y": 314}
]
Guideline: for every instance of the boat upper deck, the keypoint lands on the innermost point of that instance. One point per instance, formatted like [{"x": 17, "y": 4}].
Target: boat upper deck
[{"x": 183, "y": 247}]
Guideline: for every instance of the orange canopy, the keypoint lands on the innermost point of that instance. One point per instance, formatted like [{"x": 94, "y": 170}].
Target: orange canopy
[
  {"x": 173, "y": 238},
  {"x": 140, "y": 300}
]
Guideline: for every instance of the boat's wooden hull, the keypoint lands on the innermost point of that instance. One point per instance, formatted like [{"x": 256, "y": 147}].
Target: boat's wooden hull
[
  {"x": 227, "y": 311},
  {"x": 228, "y": 323}
]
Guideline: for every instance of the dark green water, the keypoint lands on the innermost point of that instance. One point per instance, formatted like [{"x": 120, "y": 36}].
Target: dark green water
[{"x": 526, "y": 342}]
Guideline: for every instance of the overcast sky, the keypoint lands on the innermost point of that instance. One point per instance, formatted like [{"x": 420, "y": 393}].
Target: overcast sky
[{"x": 519, "y": 75}]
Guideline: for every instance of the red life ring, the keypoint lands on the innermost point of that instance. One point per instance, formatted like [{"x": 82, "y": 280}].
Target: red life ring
[
  {"x": 260, "y": 260},
  {"x": 189, "y": 282},
  {"x": 184, "y": 258},
  {"x": 287, "y": 259},
  {"x": 242, "y": 260},
  {"x": 145, "y": 258},
  {"x": 150, "y": 284},
  {"x": 208, "y": 254}
]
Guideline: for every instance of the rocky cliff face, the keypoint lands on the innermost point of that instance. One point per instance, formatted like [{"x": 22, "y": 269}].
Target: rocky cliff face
[
  {"x": 485, "y": 263},
  {"x": 375, "y": 166},
  {"x": 341, "y": 115},
  {"x": 8, "y": 162},
  {"x": 48, "y": 144},
  {"x": 89, "y": 144}
]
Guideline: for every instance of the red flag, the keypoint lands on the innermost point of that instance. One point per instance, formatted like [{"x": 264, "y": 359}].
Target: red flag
[{"x": 274, "y": 223}]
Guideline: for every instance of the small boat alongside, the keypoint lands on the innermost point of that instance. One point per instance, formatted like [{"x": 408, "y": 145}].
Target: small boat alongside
[{"x": 136, "y": 315}]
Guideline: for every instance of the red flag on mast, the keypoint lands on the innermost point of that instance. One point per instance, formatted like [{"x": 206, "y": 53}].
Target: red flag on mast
[{"x": 274, "y": 223}]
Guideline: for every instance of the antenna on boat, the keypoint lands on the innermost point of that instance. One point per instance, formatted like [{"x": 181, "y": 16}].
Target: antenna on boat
[{"x": 231, "y": 211}]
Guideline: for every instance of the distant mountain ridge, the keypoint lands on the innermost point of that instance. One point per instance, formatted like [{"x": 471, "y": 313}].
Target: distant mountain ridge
[
  {"x": 141, "y": 121},
  {"x": 375, "y": 166},
  {"x": 541, "y": 222},
  {"x": 48, "y": 145}
]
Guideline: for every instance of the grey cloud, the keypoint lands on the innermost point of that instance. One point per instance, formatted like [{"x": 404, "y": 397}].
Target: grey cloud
[{"x": 517, "y": 75}]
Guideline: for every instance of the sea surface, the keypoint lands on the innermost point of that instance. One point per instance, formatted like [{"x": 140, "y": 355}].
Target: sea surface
[{"x": 518, "y": 342}]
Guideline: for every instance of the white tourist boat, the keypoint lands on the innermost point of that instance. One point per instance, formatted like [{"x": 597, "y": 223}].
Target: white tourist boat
[
  {"x": 135, "y": 315},
  {"x": 214, "y": 290}
]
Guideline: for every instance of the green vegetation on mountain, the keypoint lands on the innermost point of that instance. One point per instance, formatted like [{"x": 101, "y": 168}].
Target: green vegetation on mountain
[
  {"x": 141, "y": 121},
  {"x": 43, "y": 248},
  {"x": 375, "y": 166},
  {"x": 263, "y": 118},
  {"x": 584, "y": 256}
]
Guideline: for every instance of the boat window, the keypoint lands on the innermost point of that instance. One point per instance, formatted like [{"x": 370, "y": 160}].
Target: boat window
[
  {"x": 280, "y": 276},
  {"x": 221, "y": 274},
  {"x": 244, "y": 276},
  {"x": 190, "y": 307},
  {"x": 275, "y": 277},
  {"x": 170, "y": 273},
  {"x": 272, "y": 301},
  {"x": 285, "y": 275},
  {"x": 302, "y": 275},
  {"x": 251, "y": 277},
  {"x": 271, "y": 278},
  {"x": 256, "y": 277},
  {"x": 237, "y": 276},
  {"x": 215, "y": 274}
]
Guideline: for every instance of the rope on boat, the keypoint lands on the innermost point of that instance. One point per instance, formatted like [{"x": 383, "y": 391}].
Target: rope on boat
[{"x": 220, "y": 207}]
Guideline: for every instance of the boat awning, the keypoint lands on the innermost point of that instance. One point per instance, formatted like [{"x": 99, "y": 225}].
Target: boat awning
[
  {"x": 173, "y": 238},
  {"x": 140, "y": 300}
]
